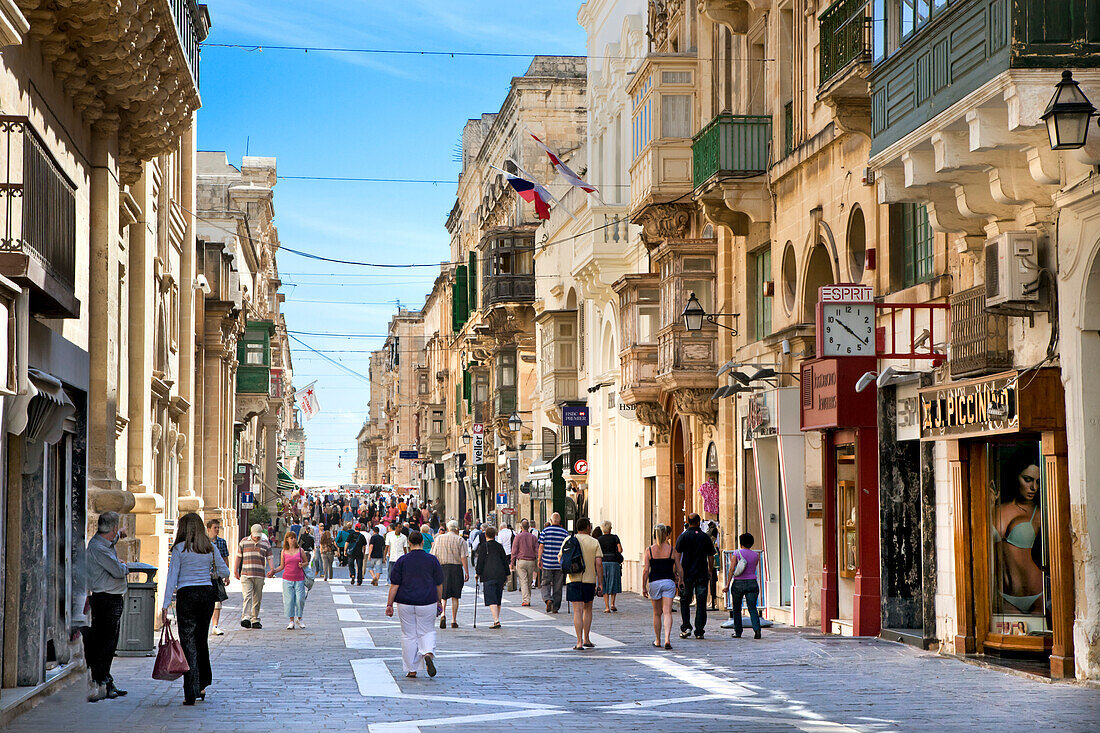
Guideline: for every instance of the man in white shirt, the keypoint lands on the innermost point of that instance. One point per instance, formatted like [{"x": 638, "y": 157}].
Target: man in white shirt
[
  {"x": 504, "y": 537},
  {"x": 397, "y": 544}
]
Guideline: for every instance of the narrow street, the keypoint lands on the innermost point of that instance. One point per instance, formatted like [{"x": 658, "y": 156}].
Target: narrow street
[{"x": 343, "y": 672}]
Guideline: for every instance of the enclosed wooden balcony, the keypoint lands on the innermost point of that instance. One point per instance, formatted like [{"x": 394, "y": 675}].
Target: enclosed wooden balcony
[
  {"x": 686, "y": 359},
  {"x": 639, "y": 318},
  {"x": 558, "y": 355},
  {"x": 730, "y": 157},
  {"x": 509, "y": 270},
  {"x": 38, "y": 210}
]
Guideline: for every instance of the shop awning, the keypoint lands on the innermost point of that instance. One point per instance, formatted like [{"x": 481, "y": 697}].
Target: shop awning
[{"x": 286, "y": 482}]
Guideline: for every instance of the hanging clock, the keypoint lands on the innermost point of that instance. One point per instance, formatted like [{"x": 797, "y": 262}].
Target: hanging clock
[{"x": 845, "y": 321}]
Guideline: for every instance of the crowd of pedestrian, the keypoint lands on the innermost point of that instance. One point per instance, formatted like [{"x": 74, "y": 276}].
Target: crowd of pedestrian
[{"x": 425, "y": 562}]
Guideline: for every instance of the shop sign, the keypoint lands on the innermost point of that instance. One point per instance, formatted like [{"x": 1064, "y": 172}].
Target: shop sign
[
  {"x": 972, "y": 408},
  {"x": 293, "y": 449},
  {"x": 907, "y": 412},
  {"x": 829, "y": 399},
  {"x": 760, "y": 422},
  {"x": 630, "y": 412},
  {"x": 408, "y": 454},
  {"x": 574, "y": 415},
  {"x": 479, "y": 443}
]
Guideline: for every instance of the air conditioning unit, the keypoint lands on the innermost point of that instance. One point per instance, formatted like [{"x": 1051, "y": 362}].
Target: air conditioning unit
[{"x": 1012, "y": 268}]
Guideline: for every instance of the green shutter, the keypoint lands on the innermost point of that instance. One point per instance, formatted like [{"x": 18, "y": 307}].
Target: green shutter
[
  {"x": 473, "y": 281},
  {"x": 468, "y": 387},
  {"x": 460, "y": 305},
  {"x": 458, "y": 404}
]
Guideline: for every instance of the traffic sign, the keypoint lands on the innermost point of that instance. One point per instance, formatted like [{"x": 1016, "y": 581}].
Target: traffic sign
[
  {"x": 502, "y": 498},
  {"x": 247, "y": 499},
  {"x": 580, "y": 467}
]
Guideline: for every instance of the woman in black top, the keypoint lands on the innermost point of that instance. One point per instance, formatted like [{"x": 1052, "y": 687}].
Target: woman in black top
[
  {"x": 661, "y": 575},
  {"x": 612, "y": 567},
  {"x": 492, "y": 570}
]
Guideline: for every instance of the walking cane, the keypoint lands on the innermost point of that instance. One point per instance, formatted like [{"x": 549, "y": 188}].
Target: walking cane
[{"x": 476, "y": 585}]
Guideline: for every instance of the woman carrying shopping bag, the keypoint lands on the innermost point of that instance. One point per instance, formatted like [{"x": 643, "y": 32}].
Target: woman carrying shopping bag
[{"x": 193, "y": 567}]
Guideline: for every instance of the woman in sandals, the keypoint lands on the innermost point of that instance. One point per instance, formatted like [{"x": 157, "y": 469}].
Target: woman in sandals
[
  {"x": 661, "y": 576},
  {"x": 292, "y": 565}
]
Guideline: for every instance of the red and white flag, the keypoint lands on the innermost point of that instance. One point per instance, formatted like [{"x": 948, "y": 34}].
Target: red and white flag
[
  {"x": 563, "y": 169},
  {"x": 307, "y": 400}
]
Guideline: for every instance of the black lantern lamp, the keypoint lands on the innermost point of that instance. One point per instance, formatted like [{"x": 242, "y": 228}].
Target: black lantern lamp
[
  {"x": 694, "y": 314},
  {"x": 515, "y": 424},
  {"x": 1068, "y": 114},
  {"x": 465, "y": 437}
]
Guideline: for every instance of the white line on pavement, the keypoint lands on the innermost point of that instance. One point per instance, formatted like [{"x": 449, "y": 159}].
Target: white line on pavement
[
  {"x": 531, "y": 613},
  {"x": 598, "y": 639},
  {"x": 357, "y": 638},
  {"x": 638, "y": 704},
  {"x": 459, "y": 720},
  {"x": 341, "y": 600},
  {"x": 374, "y": 678},
  {"x": 348, "y": 614}
]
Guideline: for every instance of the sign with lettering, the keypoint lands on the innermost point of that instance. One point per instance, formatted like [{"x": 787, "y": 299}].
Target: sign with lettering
[
  {"x": 479, "y": 443},
  {"x": 846, "y": 293},
  {"x": 966, "y": 409},
  {"x": 829, "y": 399},
  {"x": 574, "y": 415},
  {"x": 408, "y": 454},
  {"x": 502, "y": 498}
]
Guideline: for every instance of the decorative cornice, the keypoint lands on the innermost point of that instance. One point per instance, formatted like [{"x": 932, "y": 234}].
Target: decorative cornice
[
  {"x": 697, "y": 403},
  {"x": 653, "y": 415},
  {"x": 663, "y": 221}
]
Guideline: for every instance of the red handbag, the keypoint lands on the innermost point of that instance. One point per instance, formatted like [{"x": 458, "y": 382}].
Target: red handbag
[{"x": 171, "y": 662}]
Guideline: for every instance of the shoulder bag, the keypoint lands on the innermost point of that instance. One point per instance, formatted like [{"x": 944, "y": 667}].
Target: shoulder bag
[
  {"x": 216, "y": 582},
  {"x": 740, "y": 566},
  {"x": 171, "y": 662}
]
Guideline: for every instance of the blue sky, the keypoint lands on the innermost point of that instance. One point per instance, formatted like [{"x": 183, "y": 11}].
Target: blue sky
[{"x": 335, "y": 114}]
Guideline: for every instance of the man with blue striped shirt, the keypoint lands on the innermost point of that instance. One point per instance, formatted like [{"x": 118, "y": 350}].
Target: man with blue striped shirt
[{"x": 553, "y": 579}]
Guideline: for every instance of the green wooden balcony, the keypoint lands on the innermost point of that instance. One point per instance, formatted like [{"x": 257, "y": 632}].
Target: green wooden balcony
[
  {"x": 846, "y": 30},
  {"x": 734, "y": 146}
]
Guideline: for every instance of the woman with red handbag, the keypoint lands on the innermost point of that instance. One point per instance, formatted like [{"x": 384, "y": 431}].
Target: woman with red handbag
[{"x": 193, "y": 567}]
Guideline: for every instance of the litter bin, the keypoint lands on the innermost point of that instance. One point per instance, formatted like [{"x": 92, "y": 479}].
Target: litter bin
[{"x": 135, "y": 636}]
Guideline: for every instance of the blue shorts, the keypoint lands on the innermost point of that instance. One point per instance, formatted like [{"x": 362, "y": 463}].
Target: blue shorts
[
  {"x": 374, "y": 564},
  {"x": 662, "y": 589}
]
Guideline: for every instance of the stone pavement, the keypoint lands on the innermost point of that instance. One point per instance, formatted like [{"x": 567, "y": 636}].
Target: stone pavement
[{"x": 343, "y": 672}]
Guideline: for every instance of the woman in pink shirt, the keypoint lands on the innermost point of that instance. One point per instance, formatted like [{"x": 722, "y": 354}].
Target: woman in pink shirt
[
  {"x": 292, "y": 563},
  {"x": 745, "y": 586}
]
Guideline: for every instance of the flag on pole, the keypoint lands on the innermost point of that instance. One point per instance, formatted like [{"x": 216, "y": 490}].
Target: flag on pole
[
  {"x": 563, "y": 170},
  {"x": 307, "y": 400},
  {"x": 530, "y": 192}
]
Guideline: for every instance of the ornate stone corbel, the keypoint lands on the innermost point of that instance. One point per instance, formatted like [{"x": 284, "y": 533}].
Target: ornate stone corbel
[
  {"x": 697, "y": 403},
  {"x": 664, "y": 221},
  {"x": 653, "y": 415}
]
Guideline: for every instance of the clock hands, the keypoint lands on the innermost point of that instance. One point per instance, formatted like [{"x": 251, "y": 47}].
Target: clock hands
[{"x": 845, "y": 327}]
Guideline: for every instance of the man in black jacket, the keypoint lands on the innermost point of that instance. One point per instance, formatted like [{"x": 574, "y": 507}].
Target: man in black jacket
[
  {"x": 492, "y": 569},
  {"x": 354, "y": 547},
  {"x": 694, "y": 550}
]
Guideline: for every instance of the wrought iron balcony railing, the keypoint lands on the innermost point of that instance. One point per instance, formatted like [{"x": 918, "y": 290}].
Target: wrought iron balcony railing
[
  {"x": 191, "y": 29},
  {"x": 731, "y": 145},
  {"x": 979, "y": 340},
  {"x": 846, "y": 37}
]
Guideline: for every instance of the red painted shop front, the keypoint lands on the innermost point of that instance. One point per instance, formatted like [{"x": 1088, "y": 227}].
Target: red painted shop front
[{"x": 847, "y": 421}]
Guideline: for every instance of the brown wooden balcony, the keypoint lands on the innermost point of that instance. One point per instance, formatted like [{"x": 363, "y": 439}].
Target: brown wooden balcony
[
  {"x": 639, "y": 374},
  {"x": 558, "y": 355},
  {"x": 639, "y": 319},
  {"x": 38, "y": 208},
  {"x": 979, "y": 340},
  {"x": 509, "y": 276}
]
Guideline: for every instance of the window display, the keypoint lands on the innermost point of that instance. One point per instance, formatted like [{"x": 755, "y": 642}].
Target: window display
[{"x": 1020, "y": 593}]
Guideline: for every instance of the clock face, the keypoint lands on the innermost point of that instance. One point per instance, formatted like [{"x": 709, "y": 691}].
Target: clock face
[{"x": 847, "y": 329}]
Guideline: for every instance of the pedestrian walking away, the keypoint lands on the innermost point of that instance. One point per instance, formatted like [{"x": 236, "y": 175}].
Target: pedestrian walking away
[
  {"x": 660, "y": 578},
  {"x": 585, "y": 585},
  {"x": 525, "y": 560},
  {"x": 745, "y": 586},
  {"x": 193, "y": 565},
  {"x": 694, "y": 551},
  {"x": 397, "y": 544},
  {"x": 327, "y": 552},
  {"x": 553, "y": 579},
  {"x": 354, "y": 548},
  {"x": 253, "y": 561},
  {"x": 292, "y": 564},
  {"x": 106, "y": 577},
  {"x": 612, "y": 567},
  {"x": 454, "y": 556},
  {"x": 213, "y": 530},
  {"x": 505, "y": 536},
  {"x": 376, "y": 556},
  {"x": 492, "y": 570},
  {"x": 416, "y": 586}
]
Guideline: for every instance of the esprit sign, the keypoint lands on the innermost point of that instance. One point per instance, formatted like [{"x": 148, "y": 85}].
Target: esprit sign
[
  {"x": 479, "y": 443},
  {"x": 846, "y": 294}
]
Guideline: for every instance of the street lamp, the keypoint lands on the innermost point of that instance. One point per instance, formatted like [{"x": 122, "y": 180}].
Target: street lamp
[
  {"x": 693, "y": 314},
  {"x": 515, "y": 424},
  {"x": 465, "y": 437},
  {"x": 1068, "y": 114}
]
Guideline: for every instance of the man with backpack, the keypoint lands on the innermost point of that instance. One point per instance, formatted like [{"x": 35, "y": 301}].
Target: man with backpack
[
  {"x": 354, "y": 547},
  {"x": 582, "y": 558}
]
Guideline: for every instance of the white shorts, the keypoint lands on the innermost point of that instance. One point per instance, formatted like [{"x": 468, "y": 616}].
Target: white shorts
[{"x": 662, "y": 589}]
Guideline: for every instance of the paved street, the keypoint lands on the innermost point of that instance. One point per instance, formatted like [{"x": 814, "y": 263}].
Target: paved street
[{"x": 343, "y": 672}]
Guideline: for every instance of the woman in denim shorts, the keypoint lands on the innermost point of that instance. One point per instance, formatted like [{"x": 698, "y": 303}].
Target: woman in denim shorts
[{"x": 661, "y": 576}]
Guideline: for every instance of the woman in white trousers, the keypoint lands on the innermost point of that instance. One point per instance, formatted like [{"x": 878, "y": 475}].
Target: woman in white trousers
[{"x": 416, "y": 586}]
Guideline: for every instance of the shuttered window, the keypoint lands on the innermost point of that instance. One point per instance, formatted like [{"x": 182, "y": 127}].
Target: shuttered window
[{"x": 460, "y": 304}]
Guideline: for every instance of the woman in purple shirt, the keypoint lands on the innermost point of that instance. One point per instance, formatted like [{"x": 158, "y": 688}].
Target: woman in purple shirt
[
  {"x": 416, "y": 586},
  {"x": 745, "y": 586}
]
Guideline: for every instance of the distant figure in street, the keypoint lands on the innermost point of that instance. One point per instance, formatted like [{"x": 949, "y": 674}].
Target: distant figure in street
[
  {"x": 377, "y": 555},
  {"x": 468, "y": 519},
  {"x": 416, "y": 586},
  {"x": 354, "y": 547},
  {"x": 429, "y": 538},
  {"x": 213, "y": 530},
  {"x": 192, "y": 562},
  {"x": 342, "y": 541},
  {"x": 397, "y": 544},
  {"x": 292, "y": 565},
  {"x": 306, "y": 540},
  {"x": 328, "y": 552},
  {"x": 612, "y": 567},
  {"x": 524, "y": 560},
  {"x": 745, "y": 586},
  {"x": 492, "y": 569},
  {"x": 253, "y": 560},
  {"x": 694, "y": 551},
  {"x": 660, "y": 578},
  {"x": 454, "y": 556},
  {"x": 553, "y": 579},
  {"x": 106, "y": 587},
  {"x": 712, "y": 532},
  {"x": 583, "y": 587}
]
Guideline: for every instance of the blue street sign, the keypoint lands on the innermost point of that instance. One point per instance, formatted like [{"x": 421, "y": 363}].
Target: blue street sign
[
  {"x": 408, "y": 454},
  {"x": 502, "y": 499},
  {"x": 247, "y": 499},
  {"x": 574, "y": 415}
]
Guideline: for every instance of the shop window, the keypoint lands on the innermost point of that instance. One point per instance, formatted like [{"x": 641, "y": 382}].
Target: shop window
[
  {"x": 1020, "y": 592},
  {"x": 847, "y": 511},
  {"x": 762, "y": 311}
]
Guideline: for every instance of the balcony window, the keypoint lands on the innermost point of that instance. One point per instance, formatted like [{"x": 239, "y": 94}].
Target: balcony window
[
  {"x": 506, "y": 369},
  {"x": 846, "y": 37},
  {"x": 641, "y": 117},
  {"x": 897, "y": 21},
  {"x": 648, "y": 315},
  {"x": 762, "y": 321},
  {"x": 509, "y": 274},
  {"x": 676, "y": 115},
  {"x": 254, "y": 354},
  {"x": 437, "y": 422},
  {"x": 913, "y": 240},
  {"x": 734, "y": 146}
]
